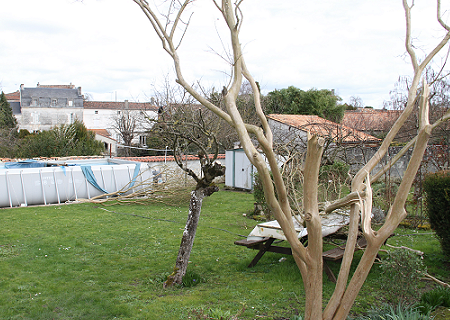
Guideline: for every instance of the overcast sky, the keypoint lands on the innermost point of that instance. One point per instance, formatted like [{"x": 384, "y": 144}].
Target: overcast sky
[{"x": 109, "y": 49}]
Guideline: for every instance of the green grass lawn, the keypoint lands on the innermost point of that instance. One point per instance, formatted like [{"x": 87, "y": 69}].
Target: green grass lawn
[{"x": 90, "y": 261}]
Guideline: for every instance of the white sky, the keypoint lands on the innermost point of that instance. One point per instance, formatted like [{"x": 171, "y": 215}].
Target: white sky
[{"x": 109, "y": 49}]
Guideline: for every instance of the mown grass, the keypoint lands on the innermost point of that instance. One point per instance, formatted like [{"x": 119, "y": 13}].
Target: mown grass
[{"x": 90, "y": 261}]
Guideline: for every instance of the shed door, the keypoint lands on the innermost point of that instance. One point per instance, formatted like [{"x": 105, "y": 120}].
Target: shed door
[{"x": 243, "y": 171}]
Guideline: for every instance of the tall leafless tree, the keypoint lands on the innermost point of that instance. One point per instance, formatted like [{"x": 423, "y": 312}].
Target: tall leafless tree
[
  {"x": 127, "y": 123},
  {"x": 309, "y": 257}
]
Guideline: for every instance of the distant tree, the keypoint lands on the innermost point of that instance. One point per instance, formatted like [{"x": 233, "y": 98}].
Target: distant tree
[
  {"x": 439, "y": 101},
  {"x": 355, "y": 103},
  {"x": 84, "y": 141},
  {"x": 8, "y": 140},
  {"x": 322, "y": 103},
  {"x": 176, "y": 102},
  {"x": 8, "y": 128},
  {"x": 65, "y": 140},
  {"x": 126, "y": 124},
  {"x": 245, "y": 103},
  {"x": 7, "y": 119}
]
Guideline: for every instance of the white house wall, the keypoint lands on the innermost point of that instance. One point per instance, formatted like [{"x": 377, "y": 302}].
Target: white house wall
[
  {"x": 104, "y": 119},
  {"x": 43, "y": 118},
  {"x": 283, "y": 133}
]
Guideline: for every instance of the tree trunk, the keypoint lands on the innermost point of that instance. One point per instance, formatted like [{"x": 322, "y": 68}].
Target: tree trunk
[{"x": 187, "y": 241}]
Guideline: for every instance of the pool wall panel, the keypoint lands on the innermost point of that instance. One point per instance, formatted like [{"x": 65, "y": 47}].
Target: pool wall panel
[{"x": 52, "y": 185}]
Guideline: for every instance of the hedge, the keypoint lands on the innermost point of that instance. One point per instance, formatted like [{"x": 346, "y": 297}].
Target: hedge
[{"x": 437, "y": 193}]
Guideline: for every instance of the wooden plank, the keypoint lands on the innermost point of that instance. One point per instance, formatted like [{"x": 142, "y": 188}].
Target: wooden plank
[
  {"x": 334, "y": 254},
  {"x": 329, "y": 272},
  {"x": 250, "y": 243},
  {"x": 338, "y": 252}
]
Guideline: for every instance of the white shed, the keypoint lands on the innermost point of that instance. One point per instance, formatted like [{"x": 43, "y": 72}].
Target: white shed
[{"x": 239, "y": 172}]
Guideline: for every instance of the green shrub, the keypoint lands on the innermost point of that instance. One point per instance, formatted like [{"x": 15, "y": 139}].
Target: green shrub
[
  {"x": 432, "y": 299},
  {"x": 388, "y": 312},
  {"x": 64, "y": 140},
  {"x": 334, "y": 180},
  {"x": 384, "y": 192},
  {"x": 437, "y": 191},
  {"x": 401, "y": 272},
  {"x": 260, "y": 199}
]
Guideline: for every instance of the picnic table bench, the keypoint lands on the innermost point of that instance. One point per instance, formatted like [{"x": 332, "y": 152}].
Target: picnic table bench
[{"x": 265, "y": 244}]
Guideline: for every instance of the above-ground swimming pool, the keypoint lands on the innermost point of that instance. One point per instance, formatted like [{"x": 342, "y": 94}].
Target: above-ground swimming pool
[{"x": 53, "y": 182}]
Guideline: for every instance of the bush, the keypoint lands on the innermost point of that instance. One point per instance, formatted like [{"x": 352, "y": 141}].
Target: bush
[
  {"x": 260, "y": 199},
  {"x": 432, "y": 299},
  {"x": 384, "y": 192},
  {"x": 65, "y": 140},
  {"x": 401, "y": 274},
  {"x": 401, "y": 312},
  {"x": 334, "y": 179},
  {"x": 437, "y": 192}
]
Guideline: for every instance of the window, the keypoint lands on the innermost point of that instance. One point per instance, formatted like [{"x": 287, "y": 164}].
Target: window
[
  {"x": 118, "y": 112},
  {"x": 54, "y": 102},
  {"x": 33, "y": 102},
  {"x": 34, "y": 118},
  {"x": 143, "y": 140},
  {"x": 71, "y": 118},
  {"x": 96, "y": 112},
  {"x": 70, "y": 103}
]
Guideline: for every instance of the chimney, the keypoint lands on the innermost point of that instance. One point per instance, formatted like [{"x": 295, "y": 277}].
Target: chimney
[
  {"x": 126, "y": 104},
  {"x": 79, "y": 91},
  {"x": 20, "y": 98}
]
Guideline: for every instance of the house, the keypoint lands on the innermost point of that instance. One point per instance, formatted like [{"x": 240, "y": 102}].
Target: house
[
  {"x": 105, "y": 114},
  {"x": 109, "y": 143},
  {"x": 294, "y": 128},
  {"x": 44, "y": 107}
]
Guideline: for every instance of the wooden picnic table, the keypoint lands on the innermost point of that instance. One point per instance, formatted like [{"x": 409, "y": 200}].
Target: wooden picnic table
[{"x": 265, "y": 237}]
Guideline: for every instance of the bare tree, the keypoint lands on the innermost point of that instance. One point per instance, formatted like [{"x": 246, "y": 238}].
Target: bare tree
[
  {"x": 127, "y": 122},
  {"x": 356, "y": 102},
  {"x": 184, "y": 129},
  {"x": 439, "y": 101},
  {"x": 309, "y": 257}
]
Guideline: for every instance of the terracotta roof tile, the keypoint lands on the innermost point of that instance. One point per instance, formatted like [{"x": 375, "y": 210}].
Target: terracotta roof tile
[
  {"x": 164, "y": 158},
  {"x": 14, "y": 96},
  {"x": 370, "y": 120},
  {"x": 323, "y": 127},
  {"x": 137, "y": 159},
  {"x": 102, "y": 132}
]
